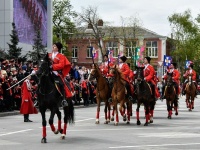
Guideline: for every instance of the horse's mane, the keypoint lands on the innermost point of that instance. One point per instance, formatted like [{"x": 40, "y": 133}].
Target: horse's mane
[{"x": 118, "y": 73}]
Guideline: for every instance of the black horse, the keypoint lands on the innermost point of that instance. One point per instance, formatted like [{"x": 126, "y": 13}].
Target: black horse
[
  {"x": 49, "y": 98},
  {"x": 144, "y": 96}
]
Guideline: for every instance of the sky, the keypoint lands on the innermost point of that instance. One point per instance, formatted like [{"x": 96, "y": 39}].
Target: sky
[{"x": 153, "y": 14}]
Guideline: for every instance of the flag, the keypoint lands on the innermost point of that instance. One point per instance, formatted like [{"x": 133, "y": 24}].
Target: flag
[
  {"x": 137, "y": 56},
  {"x": 110, "y": 55},
  {"x": 187, "y": 63},
  {"x": 93, "y": 52},
  {"x": 167, "y": 60}
]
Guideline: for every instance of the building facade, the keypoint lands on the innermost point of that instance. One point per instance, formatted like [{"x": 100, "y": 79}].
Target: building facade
[{"x": 155, "y": 47}]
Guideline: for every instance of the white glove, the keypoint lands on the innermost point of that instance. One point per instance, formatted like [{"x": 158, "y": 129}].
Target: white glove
[{"x": 33, "y": 72}]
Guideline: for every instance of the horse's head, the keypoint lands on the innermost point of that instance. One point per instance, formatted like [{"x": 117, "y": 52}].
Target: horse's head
[
  {"x": 44, "y": 68},
  {"x": 95, "y": 73},
  {"x": 169, "y": 80},
  {"x": 189, "y": 78},
  {"x": 140, "y": 74}
]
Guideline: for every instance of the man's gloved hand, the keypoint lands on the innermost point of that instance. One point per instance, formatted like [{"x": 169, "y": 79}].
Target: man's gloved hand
[{"x": 33, "y": 72}]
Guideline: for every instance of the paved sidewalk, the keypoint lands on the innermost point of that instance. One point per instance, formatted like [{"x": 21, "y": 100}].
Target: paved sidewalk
[{"x": 17, "y": 112}]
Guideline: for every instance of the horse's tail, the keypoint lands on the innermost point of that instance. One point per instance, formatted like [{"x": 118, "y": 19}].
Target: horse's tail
[{"x": 69, "y": 112}]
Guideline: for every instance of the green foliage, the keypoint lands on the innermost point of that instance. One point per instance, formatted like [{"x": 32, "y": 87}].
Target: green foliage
[
  {"x": 38, "y": 48},
  {"x": 186, "y": 37},
  {"x": 62, "y": 15},
  {"x": 14, "y": 51}
]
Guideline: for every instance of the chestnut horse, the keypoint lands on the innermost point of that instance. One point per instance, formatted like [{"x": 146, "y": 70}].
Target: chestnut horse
[
  {"x": 144, "y": 96},
  {"x": 118, "y": 96},
  {"x": 170, "y": 95},
  {"x": 102, "y": 93},
  {"x": 49, "y": 97},
  {"x": 190, "y": 93}
]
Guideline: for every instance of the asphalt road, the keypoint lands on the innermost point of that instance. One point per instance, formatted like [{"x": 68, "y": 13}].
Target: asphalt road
[{"x": 179, "y": 133}]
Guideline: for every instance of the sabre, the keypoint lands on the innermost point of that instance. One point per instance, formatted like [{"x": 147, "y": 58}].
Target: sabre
[{"x": 18, "y": 82}]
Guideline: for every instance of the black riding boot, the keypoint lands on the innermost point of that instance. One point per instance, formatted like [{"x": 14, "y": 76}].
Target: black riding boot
[
  {"x": 128, "y": 95},
  {"x": 183, "y": 90},
  {"x": 110, "y": 85},
  {"x": 63, "y": 96},
  {"x": 163, "y": 91}
]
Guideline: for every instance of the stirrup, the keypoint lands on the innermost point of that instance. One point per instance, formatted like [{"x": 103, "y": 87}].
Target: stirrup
[
  {"x": 110, "y": 100},
  {"x": 64, "y": 103}
]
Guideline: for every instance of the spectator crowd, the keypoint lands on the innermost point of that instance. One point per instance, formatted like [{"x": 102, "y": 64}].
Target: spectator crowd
[{"x": 13, "y": 71}]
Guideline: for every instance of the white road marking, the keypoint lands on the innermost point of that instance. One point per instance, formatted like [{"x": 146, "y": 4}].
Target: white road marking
[
  {"x": 4, "y": 142},
  {"x": 15, "y": 132},
  {"x": 161, "y": 145}
]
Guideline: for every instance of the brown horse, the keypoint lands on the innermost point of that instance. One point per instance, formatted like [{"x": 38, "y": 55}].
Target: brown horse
[
  {"x": 144, "y": 96},
  {"x": 190, "y": 93},
  {"x": 118, "y": 96},
  {"x": 102, "y": 93},
  {"x": 170, "y": 95}
]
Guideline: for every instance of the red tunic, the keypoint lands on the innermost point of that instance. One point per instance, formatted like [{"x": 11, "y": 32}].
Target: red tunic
[
  {"x": 192, "y": 73},
  {"x": 61, "y": 63},
  {"x": 104, "y": 68},
  {"x": 27, "y": 106},
  {"x": 125, "y": 70},
  {"x": 149, "y": 74}
]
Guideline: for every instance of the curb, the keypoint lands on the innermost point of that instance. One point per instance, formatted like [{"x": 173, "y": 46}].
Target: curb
[{"x": 17, "y": 112}]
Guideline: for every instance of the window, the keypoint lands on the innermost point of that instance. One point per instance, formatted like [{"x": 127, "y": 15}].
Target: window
[
  {"x": 74, "y": 52},
  {"x": 130, "y": 48},
  {"x": 89, "y": 55},
  {"x": 112, "y": 46},
  {"x": 152, "y": 49}
]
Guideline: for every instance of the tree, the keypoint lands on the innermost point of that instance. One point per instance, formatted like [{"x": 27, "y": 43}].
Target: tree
[
  {"x": 186, "y": 37},
  {"x": 14, "y": 51},
  {"x": 38, "y": 48},
  {"x": 63, "y": 27}
]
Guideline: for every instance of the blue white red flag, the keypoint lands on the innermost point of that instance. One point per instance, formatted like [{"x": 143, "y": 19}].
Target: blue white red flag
[
  {"x": 187, "y": 63},
  {"x": 93, "y": 52}
]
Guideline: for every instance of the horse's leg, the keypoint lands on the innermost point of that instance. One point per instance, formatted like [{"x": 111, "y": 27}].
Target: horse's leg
[
  {"x": 105, "y": 112},
  {"x": 176, "y": 107},
  {"x": 113, "y": 113},
  {"x": 146, "y": 113},
  {"x": 52, "y": 114},
  {"x": 108, "y": 113},
  {"x": 98, "y": 110},
  {"x": 152, "y": 111},
  {"x": 137, "y": 113},
  {"x": 193, "y": 103},
  {"x": 59, "y": 122},
  {"x": 122, "y": 110},
  {"x": 44, "y": 123},
  {"x": 116, "y": 114},
  {"x": 128, "y": 112}
]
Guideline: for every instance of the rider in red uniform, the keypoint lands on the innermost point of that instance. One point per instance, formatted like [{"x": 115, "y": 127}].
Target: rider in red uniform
[
  {"x": 149, "y": 76},
  {"x": 125, "y": 70},
  {"x": 175, "y": 77},
  {"x": 60, "y": 67},
  {"x": 192, "y": 72}
]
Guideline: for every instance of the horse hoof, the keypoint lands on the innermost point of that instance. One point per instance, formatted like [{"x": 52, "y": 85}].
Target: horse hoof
[
  {"x": 138, "y": 123},
  {"x": 97, "y": 122},
  {"x": 192, "y": 107},
  {"x": 116, "y": 124},
  {"x": 44, "y": 140},
  {"x": 176, "y": 114},
  {"x": 124, "y": 119},
  {"x": 151, "y": 121},
  {"x": 146, "y": 124},
  {"x": 56, "y": 132},
  {"x": 127, "y": 122},
  {"x": 106, "y": 122},
  {"x": 62, "y": 137},
  {"x": 61, "y": 131},
  {"x": 112, "y": 119}
]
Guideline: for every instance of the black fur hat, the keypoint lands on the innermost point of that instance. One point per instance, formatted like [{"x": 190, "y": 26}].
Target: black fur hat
[
  {"x": 148, "y": 58},
  {"x": 174, "y": 64},
  {"x": 59, "y": 45},
  {"x": 123, "y": 58}
]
